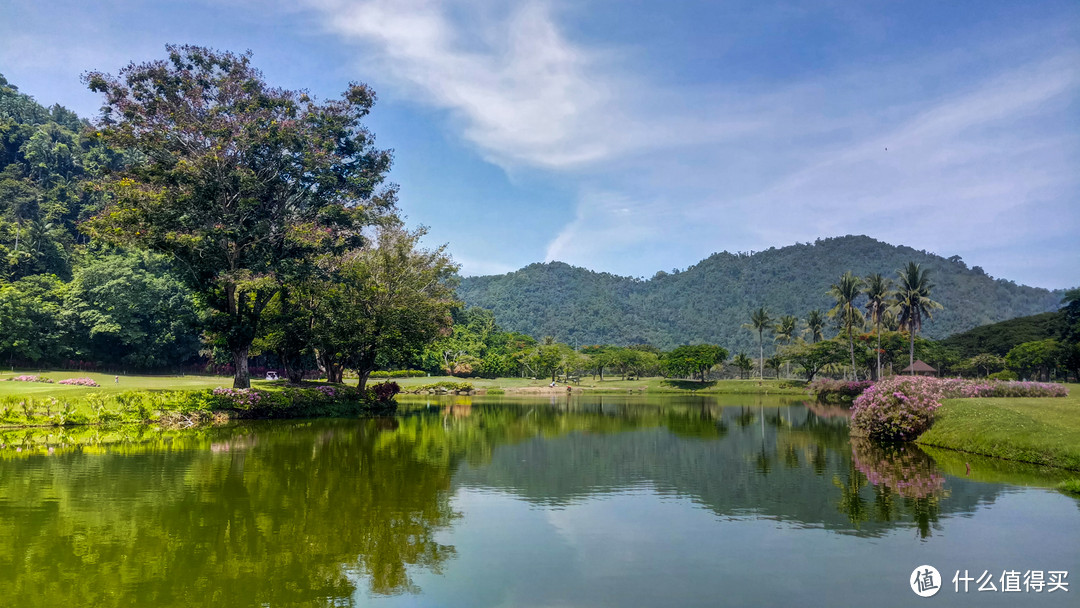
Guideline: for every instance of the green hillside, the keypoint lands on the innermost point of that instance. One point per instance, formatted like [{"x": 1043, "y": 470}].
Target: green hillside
[
  {"x": 1000, "y": 338},
  {"x": 710, "y": 301}
]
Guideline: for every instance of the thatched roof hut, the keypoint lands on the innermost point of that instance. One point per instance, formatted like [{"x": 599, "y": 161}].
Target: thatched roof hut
[{"x": 919, "y": 368}]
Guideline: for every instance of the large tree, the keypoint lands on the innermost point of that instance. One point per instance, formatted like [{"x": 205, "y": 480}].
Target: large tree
[
  {"x": 911, "y": 301},
  {"x": 844, "y": 292},
  {"x": 389, "y": 296},
  {"x": 689, "y": 360},
  {"x": 877, "y": 294},
  {"x": 239, "y": 182}
]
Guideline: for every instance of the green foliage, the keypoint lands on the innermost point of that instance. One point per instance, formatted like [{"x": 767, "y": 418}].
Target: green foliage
[
  {"x": 443, "y": 386},
  {"x": 707, "y": 302},
  {"x": 130, "y": 304},
  {"x": 690, "y": 360},
  {"x": 999, "y": 338},
  {"x": 744, "y": 364},
  {"x": 1039, "y": 359},
  {"x": 812, "y": 358}
]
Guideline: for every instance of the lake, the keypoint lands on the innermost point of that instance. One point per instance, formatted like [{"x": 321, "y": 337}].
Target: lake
[{"x": 501, "y": 501}]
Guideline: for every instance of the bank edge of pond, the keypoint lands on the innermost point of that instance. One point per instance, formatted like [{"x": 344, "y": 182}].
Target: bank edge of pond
[
  {"x": 1041, "y": 431},
  {"x": 189, "y": 408}
]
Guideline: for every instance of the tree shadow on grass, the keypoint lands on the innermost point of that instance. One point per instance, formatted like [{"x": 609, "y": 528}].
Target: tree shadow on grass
[{"x": 689, "y": 385}]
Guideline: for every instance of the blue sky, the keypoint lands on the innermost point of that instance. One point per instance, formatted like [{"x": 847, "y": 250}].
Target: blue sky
[{"x": 636, "y": 136}]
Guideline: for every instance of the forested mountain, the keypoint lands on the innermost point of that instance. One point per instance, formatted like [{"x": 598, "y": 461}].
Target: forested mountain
[{"x": 710, "y": 301}]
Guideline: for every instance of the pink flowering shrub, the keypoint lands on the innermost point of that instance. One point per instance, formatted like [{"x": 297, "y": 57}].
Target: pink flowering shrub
[
  {"x": 903, "y": 468},
  {"x": 827, "y": 389},
  {"x": 898, "y": 408},
  {"x": 79, "y": 381},
  {"x": 30, "y": 378}
]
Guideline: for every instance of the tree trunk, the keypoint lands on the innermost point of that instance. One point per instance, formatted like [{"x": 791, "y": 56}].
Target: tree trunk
[
  {"x": 761, "y": 354},
  {"x": 241, "y": 377},
  {"x": 851, "y": 347},
  {"x": 362, "y": 382},
  {"x": 911, "y": 349},
  {"x": 878, "y": 376}
]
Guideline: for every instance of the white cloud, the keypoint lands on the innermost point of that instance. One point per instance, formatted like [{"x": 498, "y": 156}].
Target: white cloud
[{"x": 525, "y": 93}]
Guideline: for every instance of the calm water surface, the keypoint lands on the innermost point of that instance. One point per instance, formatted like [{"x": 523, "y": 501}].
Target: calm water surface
[{"x": 583, "y": 501}]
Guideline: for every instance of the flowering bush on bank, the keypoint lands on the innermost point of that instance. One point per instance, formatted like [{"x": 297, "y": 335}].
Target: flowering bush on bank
[
  {"x": 827, "y": 389},
  {"x": 30, "y": 378},
  {"x": 79, "y": 381},
  {"x": 898, "y": 408}
]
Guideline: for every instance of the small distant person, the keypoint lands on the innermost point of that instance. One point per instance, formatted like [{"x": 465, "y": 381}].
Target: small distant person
[
  {"x": 552, "y": 385},
  {"x": 568, "y": 388},
  {"x": 116, "y": 380}
]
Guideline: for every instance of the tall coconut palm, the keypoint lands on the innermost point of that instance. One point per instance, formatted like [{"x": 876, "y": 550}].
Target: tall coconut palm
[
  {"x": 815, "y": 324},
  {"x": 784, "y": 332},
  {"x": 912, "y": 302},
  {"x": 877, "y": 294},
  {"x": 844, "y": 292},
  {"x": 759, "y": 322}
]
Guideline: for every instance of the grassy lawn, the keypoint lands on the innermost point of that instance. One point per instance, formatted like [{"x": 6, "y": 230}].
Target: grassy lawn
[
  {"x": 614, "y": 384},
  {"x": 1044, "y": 431},
  {"x": 12, "y": 393},
  {"x": 108, "y": 384}
]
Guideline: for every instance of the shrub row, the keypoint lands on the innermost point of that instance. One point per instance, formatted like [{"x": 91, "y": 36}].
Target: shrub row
[
  {"x": 400, "y": 373},
  {"x": 442, "y": 386}
]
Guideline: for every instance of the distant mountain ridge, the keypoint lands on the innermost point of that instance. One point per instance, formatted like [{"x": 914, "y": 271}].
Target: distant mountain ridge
[{"x": 711, "y": 300}]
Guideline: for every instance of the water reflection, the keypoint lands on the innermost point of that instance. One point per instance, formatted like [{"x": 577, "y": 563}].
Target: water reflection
[{"x": 326, "y": 512}]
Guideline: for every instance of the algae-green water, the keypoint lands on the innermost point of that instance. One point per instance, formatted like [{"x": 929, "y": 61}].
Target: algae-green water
[{"x": 557, "y": 501}]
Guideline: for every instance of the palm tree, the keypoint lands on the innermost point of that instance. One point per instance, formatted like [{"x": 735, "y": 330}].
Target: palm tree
[
  {"x": 785, "y": 331},
  {"x": 845, "y": 292},
  {"x": 759, "y": 322},
  {"x": 912, "y": 302},
  {"x": 815, "y": 323},
  {"x": 877, "y": 293}
]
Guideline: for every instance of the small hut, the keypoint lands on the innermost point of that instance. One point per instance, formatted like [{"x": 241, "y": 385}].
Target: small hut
[{"x": 919, "y": 368}]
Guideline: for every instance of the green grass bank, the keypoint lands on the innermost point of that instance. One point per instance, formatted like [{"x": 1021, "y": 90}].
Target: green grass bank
[{"x": 1042, "y": 431}]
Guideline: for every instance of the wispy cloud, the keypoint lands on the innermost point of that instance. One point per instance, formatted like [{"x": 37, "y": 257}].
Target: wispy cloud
[{"x": 524, "y": 92}]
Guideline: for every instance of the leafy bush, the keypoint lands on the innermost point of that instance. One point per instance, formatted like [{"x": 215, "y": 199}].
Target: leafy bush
[
  {"x": 1004, "y": 375},
  {"x": 385, "y": 391},
  {"x": 444, "y": 385},
  {"x": 833, "y": 390}
]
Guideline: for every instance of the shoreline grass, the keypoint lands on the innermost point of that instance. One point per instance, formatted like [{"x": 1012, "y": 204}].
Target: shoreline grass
[
  {"x": 769, "y": 386},
  {"x": 1043, "y": 431}
]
